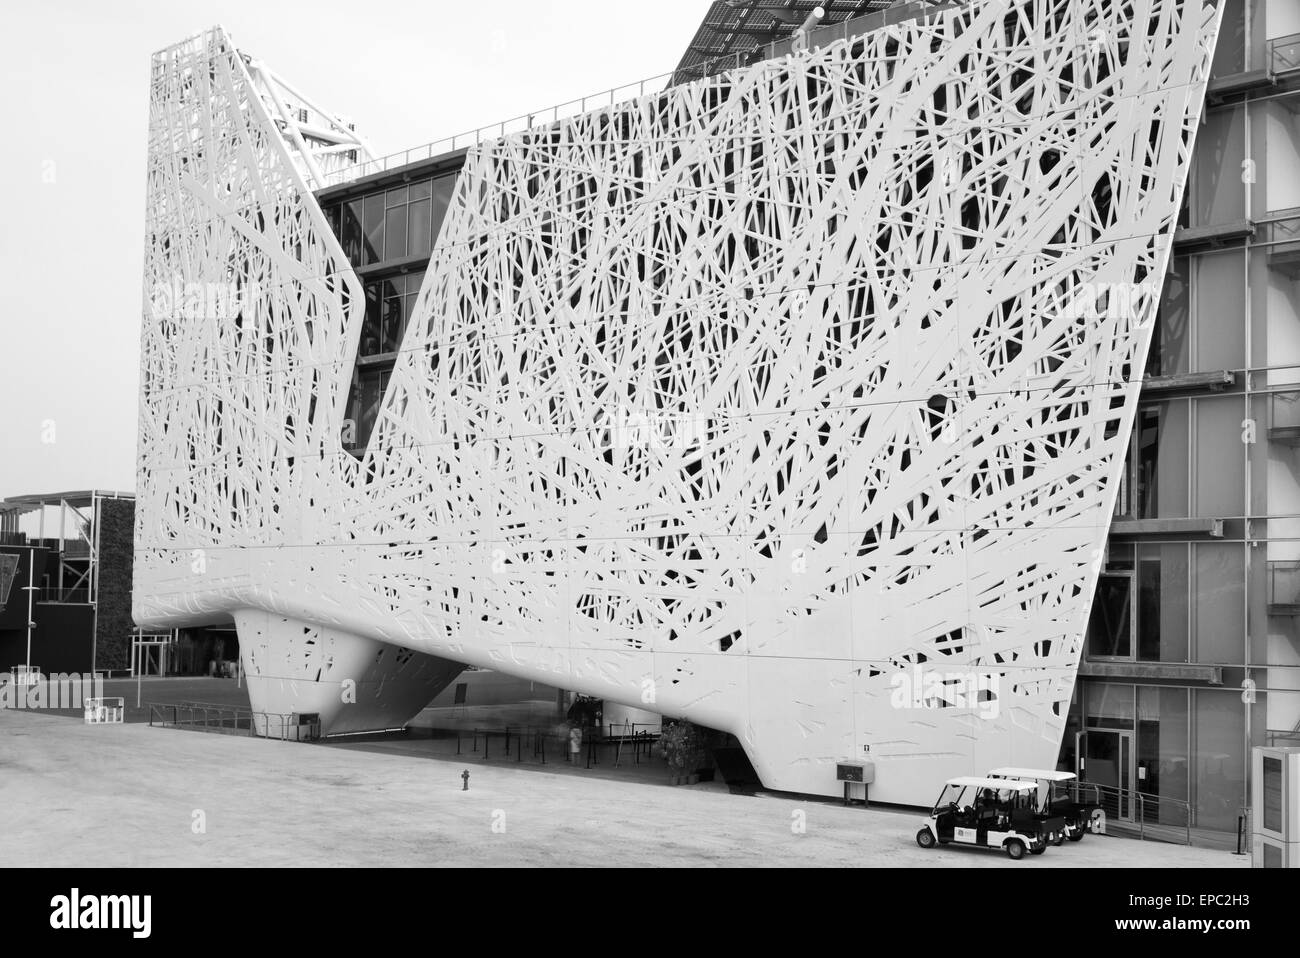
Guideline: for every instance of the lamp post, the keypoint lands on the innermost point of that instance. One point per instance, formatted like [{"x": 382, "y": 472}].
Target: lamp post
[{"x": 31, "y": 623}]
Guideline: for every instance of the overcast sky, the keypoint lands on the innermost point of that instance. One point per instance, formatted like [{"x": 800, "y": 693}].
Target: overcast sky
[{"x": 75, "y": 113}]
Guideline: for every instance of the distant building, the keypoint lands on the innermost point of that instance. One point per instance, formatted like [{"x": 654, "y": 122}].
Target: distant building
[{"x": 69, "y": 577}]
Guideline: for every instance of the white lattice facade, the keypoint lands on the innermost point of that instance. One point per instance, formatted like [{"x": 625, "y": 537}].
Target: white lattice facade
[{"x": 750, "y": 402}]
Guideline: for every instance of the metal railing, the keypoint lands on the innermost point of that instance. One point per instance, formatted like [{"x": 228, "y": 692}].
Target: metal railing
[
  {"x": 519, "y": 124},
  {"x": 631, "y": 730},
  {"x": 1283, "y": 583},
  {"x": 1275, "y": 738},
  {"x": 1281, "y": 226},
  {"x": 511, "y": 740},
  {"x": 76, "y": 549},
  {"x": 549, "y": 116},
  {"x": 234, "y": 720},
  {"x": 514, "y": 740},
  {"x": 1156, "y": 817},
  {"x": 1284, "y": 410},
  {"x": 1284, "y": 55},
  {"x": 65, "y": 596}
]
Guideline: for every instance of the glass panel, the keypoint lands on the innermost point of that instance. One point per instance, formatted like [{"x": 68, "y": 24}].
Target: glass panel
[
  {"x": 372, "y": 394},
  {"x": 1230, "y": 54},
  {"x": 1281, "y": 719},
  {"x": 421, "y": 190},
  {"x": 1220, "y": 597},
  {"x": 1170, "y": 336},
  {"x": 1068, "y": 761},
  {"x": 1271, "y": 322},
  {"x": 1285, "y": 54},
  {"x": 1162, "y": 754},
  {"x": 395, "y": 233},
  {"x": 371, "y": 329},
  {"x": 442, "y": 190},
  {"x": 419, "y": 224},
  {"x": 1162, "y": 603},
  {"x": 1220, "y": 152},
  {"x": 1102, "y": 754},
  {"x": 395, "y": 197},
  {"x": 413, "y": 284},
  {"x": 1161, "y": 473},
  {"x": 352, "y": 233},
  {"x": 1221, "y": 311},
  {"x": 1272, "y": 788},
  {"x": 1109, "y": 706},
  {"x": 1218, "y": 758},
  {"x": 1220, "y": 458},
  {"x": 373, "y": 222},
  {"x": 1109, "y": 627},
  {"x": 394, "y": 322}
]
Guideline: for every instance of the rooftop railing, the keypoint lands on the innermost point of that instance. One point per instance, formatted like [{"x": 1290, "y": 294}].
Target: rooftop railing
[
  {"x": 519, "y": 124},
  {"x": 819, "y": 37}
]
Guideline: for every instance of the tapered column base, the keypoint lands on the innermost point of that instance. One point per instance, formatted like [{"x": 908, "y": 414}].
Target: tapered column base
[{"x": 354, "y": 684}]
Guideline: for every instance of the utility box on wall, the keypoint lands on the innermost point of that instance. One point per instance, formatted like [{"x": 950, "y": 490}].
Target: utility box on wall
[
  {"x": 856, "y": 776},
  {"x": 1275, "y": 807}
]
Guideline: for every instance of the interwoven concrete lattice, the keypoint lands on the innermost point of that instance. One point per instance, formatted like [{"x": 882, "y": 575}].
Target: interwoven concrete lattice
[{"x": 792, "y": 401}]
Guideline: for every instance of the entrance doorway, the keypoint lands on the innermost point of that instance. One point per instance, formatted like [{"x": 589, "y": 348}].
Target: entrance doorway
[{"x": 1105, "y": 757}]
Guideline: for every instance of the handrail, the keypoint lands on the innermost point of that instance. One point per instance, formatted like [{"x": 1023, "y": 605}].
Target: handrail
[
  {"x": 820, "y": 37},
  {"x": 1141, "y": 799},
  {"x": 1289, "y": 63},
  {"x": 217, "y": 717},
  {"x": 817, "y": 38},
  {"x": 629, "y": 729},
  {"x": 449, "y": 144}
]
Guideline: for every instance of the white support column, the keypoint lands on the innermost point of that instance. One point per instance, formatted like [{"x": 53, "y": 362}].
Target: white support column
[{"x": 355, "y": 684}]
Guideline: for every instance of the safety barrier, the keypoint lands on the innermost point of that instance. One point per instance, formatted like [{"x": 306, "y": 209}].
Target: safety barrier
[
  {"x": 236, "y": 720},
  {"x": 105, "y": 711}
]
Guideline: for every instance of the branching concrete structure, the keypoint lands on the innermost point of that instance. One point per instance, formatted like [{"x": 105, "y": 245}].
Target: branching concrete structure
[{"x": 792, "y": 400}]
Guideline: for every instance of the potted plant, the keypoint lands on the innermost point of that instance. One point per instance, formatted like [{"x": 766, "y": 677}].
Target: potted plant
[{"x": 682, "y": 746}]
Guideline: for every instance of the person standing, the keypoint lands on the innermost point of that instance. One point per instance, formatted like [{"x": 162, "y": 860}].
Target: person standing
[{"x": 575, "y": 743}]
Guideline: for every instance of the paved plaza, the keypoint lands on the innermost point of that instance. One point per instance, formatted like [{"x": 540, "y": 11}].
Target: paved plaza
[{"x": 131, "y": 795}]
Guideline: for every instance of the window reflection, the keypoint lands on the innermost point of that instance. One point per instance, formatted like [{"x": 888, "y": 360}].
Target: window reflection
[
  {"x": 390, "y": 304},
  {"x": 1159, "y": 461},
  {"x": 1162, "y": 602},
  {"x": 392, "y": 225},
  {"x": 1110, "y": 630},
  {"x": 351, "y": 238},
  {"x": 385, "y": 232},
  {"x": 372, "y": 223},
  {"x": 370, "y": 332}
]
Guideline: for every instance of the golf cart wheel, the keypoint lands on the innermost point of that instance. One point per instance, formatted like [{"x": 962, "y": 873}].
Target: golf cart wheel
[
  {"x": 925, "y": 838},
  {"x": 1039, "y": 850},
  {"x": 1078, "y": 833},
  {"x": 1015, "y": 849}
]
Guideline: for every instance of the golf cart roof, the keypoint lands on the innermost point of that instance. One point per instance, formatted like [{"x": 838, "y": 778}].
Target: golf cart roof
[
  {"x": 1039, "y": 774},
  {"x": 994, "y": 783}
]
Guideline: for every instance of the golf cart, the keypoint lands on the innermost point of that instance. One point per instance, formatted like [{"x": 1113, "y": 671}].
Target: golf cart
[
  {"x": 1060, "y": 800},
  {"x": 988, "y": 813}
]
